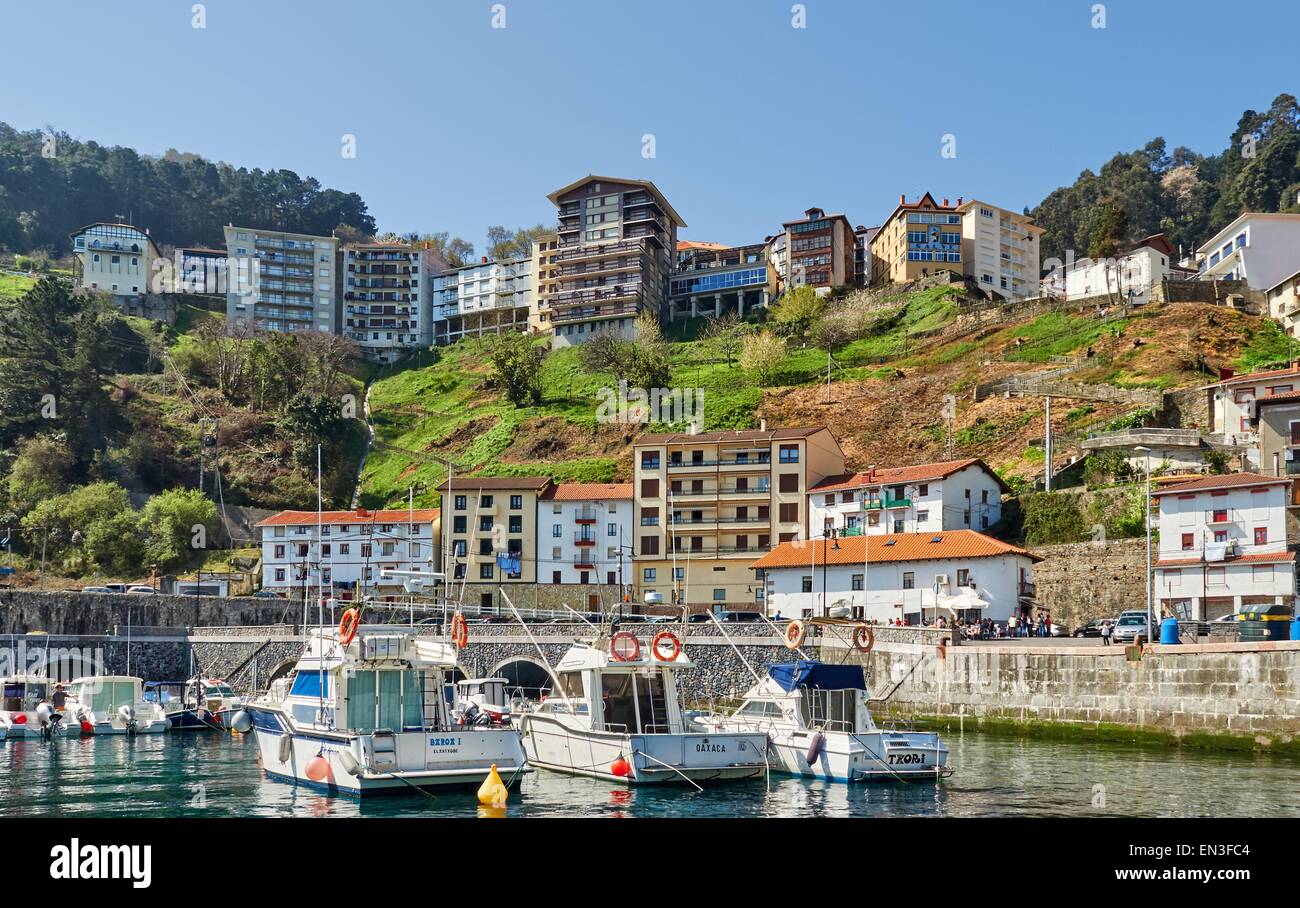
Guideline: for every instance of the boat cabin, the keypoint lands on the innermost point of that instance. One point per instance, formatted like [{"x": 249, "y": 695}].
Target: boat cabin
[
  {"x": 169, "y": 694},
  {"x": 106, "y": 693},
  {"x": 22, "y": 693},
  {"x": 810, "y": 694},
  {"x": 636, "y": 695}
]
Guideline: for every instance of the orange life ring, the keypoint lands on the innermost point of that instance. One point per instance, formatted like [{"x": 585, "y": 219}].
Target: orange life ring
[
  {"x": 666, "y": 637},
  {"x": 859, "y": 633},
  {"x": 621, "y": 655},
  {"x": 795, "y": 632},
  {"x": 459, "y": 630},
  {"x": 348, "y": 626}
]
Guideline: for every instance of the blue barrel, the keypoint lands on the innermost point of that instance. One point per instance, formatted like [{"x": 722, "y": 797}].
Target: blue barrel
[
  {"x": 1295, "y": 628},
  {"x": 1169, "y": 631}
]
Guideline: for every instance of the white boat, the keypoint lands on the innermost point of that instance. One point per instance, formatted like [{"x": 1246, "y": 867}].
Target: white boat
[
  {"x": 817, "y": 723},
  {"x": 616, "y": 714},
  {"x": 112, "y": 705},
  {"x": 483, "y": 700},
  {"x": 371, "y": 714},
  {"x": 25, "y": 708},
  {"x": 212, "y": 701}
]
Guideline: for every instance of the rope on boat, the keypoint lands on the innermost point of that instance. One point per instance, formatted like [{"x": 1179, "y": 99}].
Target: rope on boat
[{"x": 674, "y": 768}]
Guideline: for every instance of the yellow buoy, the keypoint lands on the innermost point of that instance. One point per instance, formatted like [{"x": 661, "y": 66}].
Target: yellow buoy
[{"x": 493, "y": 792}]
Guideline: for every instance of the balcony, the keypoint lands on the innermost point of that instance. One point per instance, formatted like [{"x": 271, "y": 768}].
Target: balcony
[
  {"x": 876, "y": 504},
  {"x": 562, "y": 316},
  {"x": 688, "y": 464},
  {"x": 584, "y": 539},
  {"x": 738, "y": 491},
  {"x": 585, "y": 561},
  {"x": 586, "y": 515}
]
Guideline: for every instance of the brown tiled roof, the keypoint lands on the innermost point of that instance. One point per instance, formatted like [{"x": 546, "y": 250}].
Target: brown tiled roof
[
  {"x": 588, "y": 491},
  {"x": 1292, "y": 371},
  {"x": 302, "y": 518},
  {"x": 1289, "y": 397},
  {"x": 673, "y": 438},
  {"x": 891, "y": 547},
  {"x": 491, "y": 483},
  {"x": 925, "y": 472},
  {"x": 1258, "y": 558},
  {"x": 1227, "y": 481}
]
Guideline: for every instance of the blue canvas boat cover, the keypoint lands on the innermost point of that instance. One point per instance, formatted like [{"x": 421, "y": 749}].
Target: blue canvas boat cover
[{"x": 818, "y": 675}]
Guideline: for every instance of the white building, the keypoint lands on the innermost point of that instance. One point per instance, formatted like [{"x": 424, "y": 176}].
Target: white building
[
  {"x": 1223, "y": 546},
  {"x": 908, "y": 576},
  {"x": 281, "y": 281},
  {"x": 1284, "y": 303},
  {"x": 353, "y": 550},
  {"x": 483, "y": 298},
  {"x": 953, "y": 495},
  {"x": 387, "y": 298},
  {"x": 1129, "y": 277},
  {"x": 1232, "y": 405},
  {"x": 1261, "y": 249},
  {"x": 1000, "y": 249},
  {"x": 584, "y": 533},
  {"x": 115, "y": 258}
]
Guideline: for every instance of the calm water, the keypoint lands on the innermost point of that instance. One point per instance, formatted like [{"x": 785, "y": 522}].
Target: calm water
[{"x": 157, "y": 775}]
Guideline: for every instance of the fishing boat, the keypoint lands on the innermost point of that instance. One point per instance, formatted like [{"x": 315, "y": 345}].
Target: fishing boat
[
  {"x": 817, "y": 722},
  {"x": 212, "y": 701},
  {"x": 615, "y": 713},
  {"x": 367, "y": 713},
  {"x": 113, "y": 705},
  {"x": 25, "y": 708}
]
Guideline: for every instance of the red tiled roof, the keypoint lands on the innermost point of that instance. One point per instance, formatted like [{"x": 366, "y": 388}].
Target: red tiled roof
[
  {"x": 302, "y": 518},
  {"x": 1288, "y": 397},
  {"x": 493, "y": 483},
  {"x": 588, "y": 491},
  {"x": 891, "y": 547},
  {"x": 1256, "y": 376},
  {"x": 675, "y": 438},
  {"x": 1259, "y": 558},
  {"x": 925, "y": 472},
  {"x": 1227, "y": 481}
]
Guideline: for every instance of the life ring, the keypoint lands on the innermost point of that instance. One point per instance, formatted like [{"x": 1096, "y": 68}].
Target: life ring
[
  {"x": 671, "y": 639},
  {"x": 619, "y": 653},
  {"x": 861, "y": 632},
  {"x": 459, "y": 630},
  {"x": 795, "y": 632},
  {"x": 348, "y": 626}
]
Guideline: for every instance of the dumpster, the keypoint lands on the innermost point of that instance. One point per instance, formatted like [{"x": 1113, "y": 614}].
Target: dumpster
[{"x": 1264, "y": 622}]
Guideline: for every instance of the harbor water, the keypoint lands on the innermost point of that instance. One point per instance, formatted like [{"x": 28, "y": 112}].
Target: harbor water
[{"x": 216, "y": 775}]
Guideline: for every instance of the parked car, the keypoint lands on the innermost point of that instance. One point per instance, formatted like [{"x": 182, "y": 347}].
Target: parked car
[
  {"x": 1131, "y": 629},
  {"x": 740, "y": 616},
  {"x": 1091, "y": 629},
  {"x": 1058, "y": 630},
  {"x": 95, "y": 589},
  {"x": 141, "y": 588},
  {"x": 265, "y": 594},
  {"x": 116, "y": 587}
]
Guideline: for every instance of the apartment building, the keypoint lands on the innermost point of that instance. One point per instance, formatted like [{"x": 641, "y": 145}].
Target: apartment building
[
  {"x": 919, "y": 238},
  {"x": 1258, "y": 248},
  {"x": 715, "y": 280},
  {"x": 1129, "y": 277},
  {"x": 585, "y": 534},
  {"x": 115, "y": 258},
  {"x": 348, "y": 556},
  {"x": 485, "y": 297},
  {"x": 545, "y": 250},
  {"x": 387, "y": 298},
  {"x": 617, "y": 240},
  {"x": 489, "y": 533},
  {"x": 953, "y": 495},
  {"x": 1284, "y": 303},
  {"x": 912, "y": 576},
  {"x": 1277, "y": 426},
  {"x": 1232, "y": 406},
  {"x": 999, "y": 249},
  {"x": 201, "y": 270},
  {"x": 282, "y": 281},
  {"x": 1223, "y": 546},
  {"x": 819, "y": 251},
  {"x": 707, "y": 504},
  {"x": 862, "y": 238}
]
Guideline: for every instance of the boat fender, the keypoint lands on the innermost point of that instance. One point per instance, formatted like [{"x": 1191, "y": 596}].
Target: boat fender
[
  {"x": 493, "y": 792},
  {"x": 815, "y": 747},
  {"x": 242, "y": 722},
  {"x": 795, "y": 632},
  {"x": 286, "y": 749},
  {"x": 318, "y": 769},
  {"x": 86, "y": 727},
  {"x": 43, "y": 712},
  {"x": 351, "y": 765},
  {"x": 621, "y": 767}
]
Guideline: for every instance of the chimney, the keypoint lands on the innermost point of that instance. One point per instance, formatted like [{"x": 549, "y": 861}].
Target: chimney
[
  {"x": 762, "y": 425},
  {"x": 958, "y": 201},
  {"x": 945, "y": 202},
  {"x": 902, "y": 198},
  {"x": 1225, "y": 374}
]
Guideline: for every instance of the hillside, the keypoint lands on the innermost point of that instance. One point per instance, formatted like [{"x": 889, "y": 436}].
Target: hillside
[{"x": 886, "y": 395}]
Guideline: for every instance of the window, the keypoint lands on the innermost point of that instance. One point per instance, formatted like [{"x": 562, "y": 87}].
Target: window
[
  {"x": 485, "y": 501},
  {"x": 649, "y": 545},
  {"x": 557, "y": 530},
  {"x": 719, "y": 595},
  {"x": 649, "y": 488},
  {"x": 648, "y": 575},
  {"x": 611, "y": 529},
  {"x": 1189, "y": 542},
  {"x": 485, "y": 524},
  {"x": 485, "y": 546},
  {"x": 1220, "y": 535},
  {"x": 516, "y": 502},
  {"x": 1219, "y": 515},
  {"x": 649, "y": 517},
  {"x": 805, "y": 584},
  {"x": 1262, "y": 573},
  {"x": 485, "y": 571},
  {"x": 345, "y": 548},
  {"x": 458, "y": 524},
  {"x": 460, "y": 502},
  {"x": 789, "y": 482},
  {"x": 279, "y": 575},
  {"x": 909, "y": 580},
  {"x": 1215, "y": 576},
  {"x": 963, "y": 577},
  {"x": 1261, "y": 535},
  {"x": 857, "y": 582},
  {"x": 829, "y": 499},
  {"x": 649, "y": 460},
  {"x": 922, "y": 516},
  {"x": 516, "y": 523},
  {"x": 789, "y": 454},
  {"x": 279, "y": 551},
  {"x": 923, "y": 490}
]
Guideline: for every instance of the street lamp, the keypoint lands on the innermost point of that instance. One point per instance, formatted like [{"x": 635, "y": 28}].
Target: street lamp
[{"x": 1146, "y": 519}]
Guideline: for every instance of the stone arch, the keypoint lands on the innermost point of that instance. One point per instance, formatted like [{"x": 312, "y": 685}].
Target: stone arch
[
  {"x": 526, "y": 673},
  {"x": 282, "y": 668}
]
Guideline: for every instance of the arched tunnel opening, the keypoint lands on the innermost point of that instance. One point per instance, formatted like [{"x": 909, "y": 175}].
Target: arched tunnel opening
[{"x": 525, "y": 678}]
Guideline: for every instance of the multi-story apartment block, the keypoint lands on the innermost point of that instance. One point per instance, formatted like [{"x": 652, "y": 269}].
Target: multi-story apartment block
[
  {"x": 912, "y": 576},
  {"x": 1129, "y": 277},
  {"x": 1260, "y": 249},
  {"x": 707, "y": 504},
  {"x": 715, "y": 280},
  {"x": 1277, "y": 425},
  {"x": 617, "y": 240},
  {"x": 862, "y": 238},
  {"x": 545, "y": 249},
  {"x": 282, "y": 281},
  {"x": 820, "y": 251},
  {"x": 349, "y": 555},
  {"x": 387, "y": 294},
  {"x": 489, "y": 532},
  {"x": 116, "y": 259},
  {"x": 1223, "y": 546},
  {"x": 585, "y": 534},
  {"x": 953, "y": 495},
  {"x": 1284, "y": 303},
  {"x": 1000, "y": 249},
  {"x": 1232, "y": 406},
  {"x": 201, "y": 270},
  {"x": 918, "y": 239},
  {"x": 483, "y": 298}
]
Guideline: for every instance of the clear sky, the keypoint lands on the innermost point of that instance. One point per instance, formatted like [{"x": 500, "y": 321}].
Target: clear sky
[{"x": 460, "y": 125}]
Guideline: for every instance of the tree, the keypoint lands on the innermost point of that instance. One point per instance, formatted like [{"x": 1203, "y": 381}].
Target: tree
[
  {"x": 761, "y": 354},
  {"x": 310, "y": 420},
  {"x": 726, "y": 335},
  {"x": 796, "y": 311},
  {"x": 171, "y": 522},
  {"x": 517, "y": 364},
  {"x": 40, "y": 470},
  {"x": 644, "y": 362},
  {"x": 504, "y": 243},
  {"x": 92, "y": 522}
]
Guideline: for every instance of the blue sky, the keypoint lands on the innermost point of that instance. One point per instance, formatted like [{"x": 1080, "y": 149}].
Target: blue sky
[{"x": 753, "y": 120}]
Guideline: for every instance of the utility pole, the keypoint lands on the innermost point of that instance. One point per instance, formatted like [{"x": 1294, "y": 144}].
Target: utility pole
[
  {"x": 1047, "y": 447},
  {"x": 828, "y": 377}
]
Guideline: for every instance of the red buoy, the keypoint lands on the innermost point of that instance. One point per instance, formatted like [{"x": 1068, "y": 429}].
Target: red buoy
[
  {"x": 621, "y": 768},
  {"x": 87, "y": 728},
  {"x": 318, "y": 769}
]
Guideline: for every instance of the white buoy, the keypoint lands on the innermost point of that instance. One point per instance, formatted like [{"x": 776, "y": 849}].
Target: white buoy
[
  {"x": 43, "y": 712},
  {"x": 242, "y": 722}
]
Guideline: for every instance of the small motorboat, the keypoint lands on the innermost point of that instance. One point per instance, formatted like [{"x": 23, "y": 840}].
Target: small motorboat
[
  {"x": 26, "y": 710},
  {"x": 179, "y": 701},
  {"x": 113, "y": 705},
  {"x": 817, "y": 723},
  {"x": 213, "y": 703},
  {"x": 482, "y": 701}
]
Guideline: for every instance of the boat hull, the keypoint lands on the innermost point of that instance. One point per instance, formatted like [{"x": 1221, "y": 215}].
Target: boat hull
[
  {"x": 652, "y": 759},
  {"x": 867, "y": 757}
]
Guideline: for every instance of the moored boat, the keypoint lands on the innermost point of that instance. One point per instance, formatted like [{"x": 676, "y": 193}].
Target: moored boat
[
  {"x": 26, "y": 710},
  {"x": 112, "y": 705}
]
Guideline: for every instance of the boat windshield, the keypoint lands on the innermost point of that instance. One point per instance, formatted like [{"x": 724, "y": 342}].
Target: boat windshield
[
  {"x": 16, "y": 692},
  {"x": 219, "y": 690},
  {"x": 832, "y": 710},
  {"x": 634, "y": 704},
  {"x": 106, "y": 694},
  {"x": 391, "y": 698}
]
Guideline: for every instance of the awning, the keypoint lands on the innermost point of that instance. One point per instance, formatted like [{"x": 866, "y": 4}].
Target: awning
[
  {"x": 967, "y": 598},
  {"x": 817, "y": 675}
]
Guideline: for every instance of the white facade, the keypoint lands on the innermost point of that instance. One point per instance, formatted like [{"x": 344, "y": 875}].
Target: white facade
[
  {"x": 1223, "y": 546},
  {"x": 585, "y": 540},
  {"x": 483, "y": 298},
  {"x": 1129, "y": 277},
  {"x": 1261, "y": 249},
  {"x": 115, "y": 258},
  {"x": 387, "y": 295},
  {"x": 353, "y": 550},
  {"x": 280, "y": 281},
  {"x": 1000, "y": 249},
  {"x": 1232, "y": 405},
  {"x": 948, "y": 496}
]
